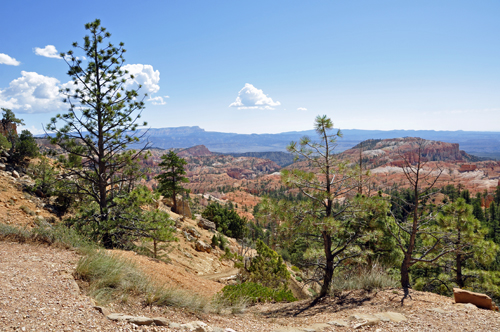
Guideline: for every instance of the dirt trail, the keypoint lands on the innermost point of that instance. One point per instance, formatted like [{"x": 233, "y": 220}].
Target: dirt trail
[{"x": 221, "y": 275}]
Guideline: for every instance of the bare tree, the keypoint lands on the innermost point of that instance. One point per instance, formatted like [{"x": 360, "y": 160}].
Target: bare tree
[{"x": 415, "y": 219}]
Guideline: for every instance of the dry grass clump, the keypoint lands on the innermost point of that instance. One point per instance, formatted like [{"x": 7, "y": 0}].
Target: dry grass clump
[{"x": 365, "y": 278}]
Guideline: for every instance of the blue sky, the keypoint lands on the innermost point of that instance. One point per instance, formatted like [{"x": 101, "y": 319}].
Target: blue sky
[{"x": 271, "y": 66}]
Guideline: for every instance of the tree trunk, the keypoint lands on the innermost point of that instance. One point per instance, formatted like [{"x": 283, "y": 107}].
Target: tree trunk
[
  {"x": 460, "y": 279},
  {"x": 327, "y": 279},
  {"x": 154, "y": 248},
  {"x": 405, "y": 275}
]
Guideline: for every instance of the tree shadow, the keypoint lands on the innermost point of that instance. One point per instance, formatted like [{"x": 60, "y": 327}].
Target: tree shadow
[{"x": 316, "y": 306}]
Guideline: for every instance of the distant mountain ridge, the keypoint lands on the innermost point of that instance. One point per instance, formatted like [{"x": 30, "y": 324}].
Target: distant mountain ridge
[{"x": 478, "y": 143}]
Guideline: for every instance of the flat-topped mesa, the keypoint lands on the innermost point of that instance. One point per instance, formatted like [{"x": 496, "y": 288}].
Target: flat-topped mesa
[{"x": 392, "y": 150}]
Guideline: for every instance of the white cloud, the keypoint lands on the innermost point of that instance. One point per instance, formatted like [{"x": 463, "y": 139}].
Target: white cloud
[
  {"x": 48, "y": 51},
  {"x": 158, "y": 100},
  {"x": 35, "y": 93},
  {"x": 32, "y": 93},
  {"x": 7, "y": 60},
  {"x": 144, "y": 75},
  {"x": 252, "y": 98},
  {"x": 301, "y": 109}
]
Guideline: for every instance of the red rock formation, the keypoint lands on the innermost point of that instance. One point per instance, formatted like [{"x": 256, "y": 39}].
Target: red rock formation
[
  {"x": 5, "y": 128},
  {"x": 195, "y": 151},
  {"x": 467, "y": 168}
]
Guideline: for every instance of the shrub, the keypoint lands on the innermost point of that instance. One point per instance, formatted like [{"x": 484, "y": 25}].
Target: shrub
[
  {"x": 227, "y": 221},
  {"x": 25, "y": 147},
  {"x": 4, "y": 143},
  {"x": 268, "y": 268}
]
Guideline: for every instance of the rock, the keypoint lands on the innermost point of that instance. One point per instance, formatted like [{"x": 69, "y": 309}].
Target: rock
[
  {"x": 160, "y": 321},
  {"x": 194, "y": 233},
  {"x": 339, "y": 323},
  {"x": 197, "y": 326},
  {"x": 206, "y": 224},
  {"x": 365, "y": 319},
  {"x": 174, "y": 325},
  {"x": 15, "y": 174},
  {"x": 395, "y": 317},
  {"x": 188, "y": 236},
  {"x": 2, "y": 167},
  {"x": 102, "y": 310},
  {"x": 478, "y": 299},
  {"x": 5, "y": 154},
  {"x": 138, "y": 320},
  {"x": 202, "y": 246}
]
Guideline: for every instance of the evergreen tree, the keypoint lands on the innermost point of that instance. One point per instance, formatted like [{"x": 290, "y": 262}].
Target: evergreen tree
[
  {"x": 25, "y": 147},
  {"x": 330, "y": 179},
  {"x": 171, "y": 180},
  {"x": 101, "y": 122},
  {"x": 466, "y": 236}
]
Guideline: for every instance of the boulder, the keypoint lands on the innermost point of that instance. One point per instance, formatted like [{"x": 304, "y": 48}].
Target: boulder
[
  {"x": 206, "y": 224},
  {"x": 188, "y": 236},
  {"x": 15, "y": 174},
  {"x": 2, "y": 167},
  {"x": 193, "y": 232},
  {"x": 478, "y": 299},
  {"x": 160, "y": 321},
  {"x": 197, "y": 326},
  {"x": 138, "y": 320},
  {"x": 202, "y": 246}
]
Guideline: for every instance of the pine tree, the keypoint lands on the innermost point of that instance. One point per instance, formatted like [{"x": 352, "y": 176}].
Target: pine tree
[
  {"x": 171, "y": 180},
  {"x": 466, "y": 236},
  {"x": 101, "y": 122},
  {"x": 336, "y": 227}
]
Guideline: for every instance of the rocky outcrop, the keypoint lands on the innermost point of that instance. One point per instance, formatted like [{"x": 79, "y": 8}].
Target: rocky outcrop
[
  {"x": 6, "y": 128},
  {"x": 202, "y": 246},
  {"x": 206, "y": 224},
  {"x": 478, "y": 299},
  {"x": 195, "y": 151},
  {"x": 467, "y": 168},
  {"x": 182, "y": 206}
]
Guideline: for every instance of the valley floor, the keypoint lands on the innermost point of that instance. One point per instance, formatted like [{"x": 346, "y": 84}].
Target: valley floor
[{"x": 38, "y": 293}]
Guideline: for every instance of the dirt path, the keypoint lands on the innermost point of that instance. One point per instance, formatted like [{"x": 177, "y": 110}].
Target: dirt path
[
  {"x": 38, "y": 293},
  {"x": 221, "y": 275}
]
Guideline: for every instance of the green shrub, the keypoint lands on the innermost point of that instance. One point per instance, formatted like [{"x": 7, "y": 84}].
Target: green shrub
[
  {"x": 268, "y": 268},
  {"x": 4, "y": 143},
  {"x": 254, "y": 293},
  {"x": 295, "y": 269},
  {"x": 227, "y": 221},
  {"x": 25, "y": 147}
]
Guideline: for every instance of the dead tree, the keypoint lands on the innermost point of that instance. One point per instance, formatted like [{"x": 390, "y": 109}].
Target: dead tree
[{"x": 416, "y": 217}]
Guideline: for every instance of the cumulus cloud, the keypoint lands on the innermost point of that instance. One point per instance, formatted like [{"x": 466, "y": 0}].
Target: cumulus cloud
[
  {"x": 48, "y": 51},
  {"x": 301, "y": 109},
  {"x": 7, "y": 60},
  {"x": 252, "y": 98},
  {"x": 32, "y": 93},
  {"x": 35, "y": 93},
  {"x": 144, "y": 75},
  {"x": 158, "y": 100}
]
